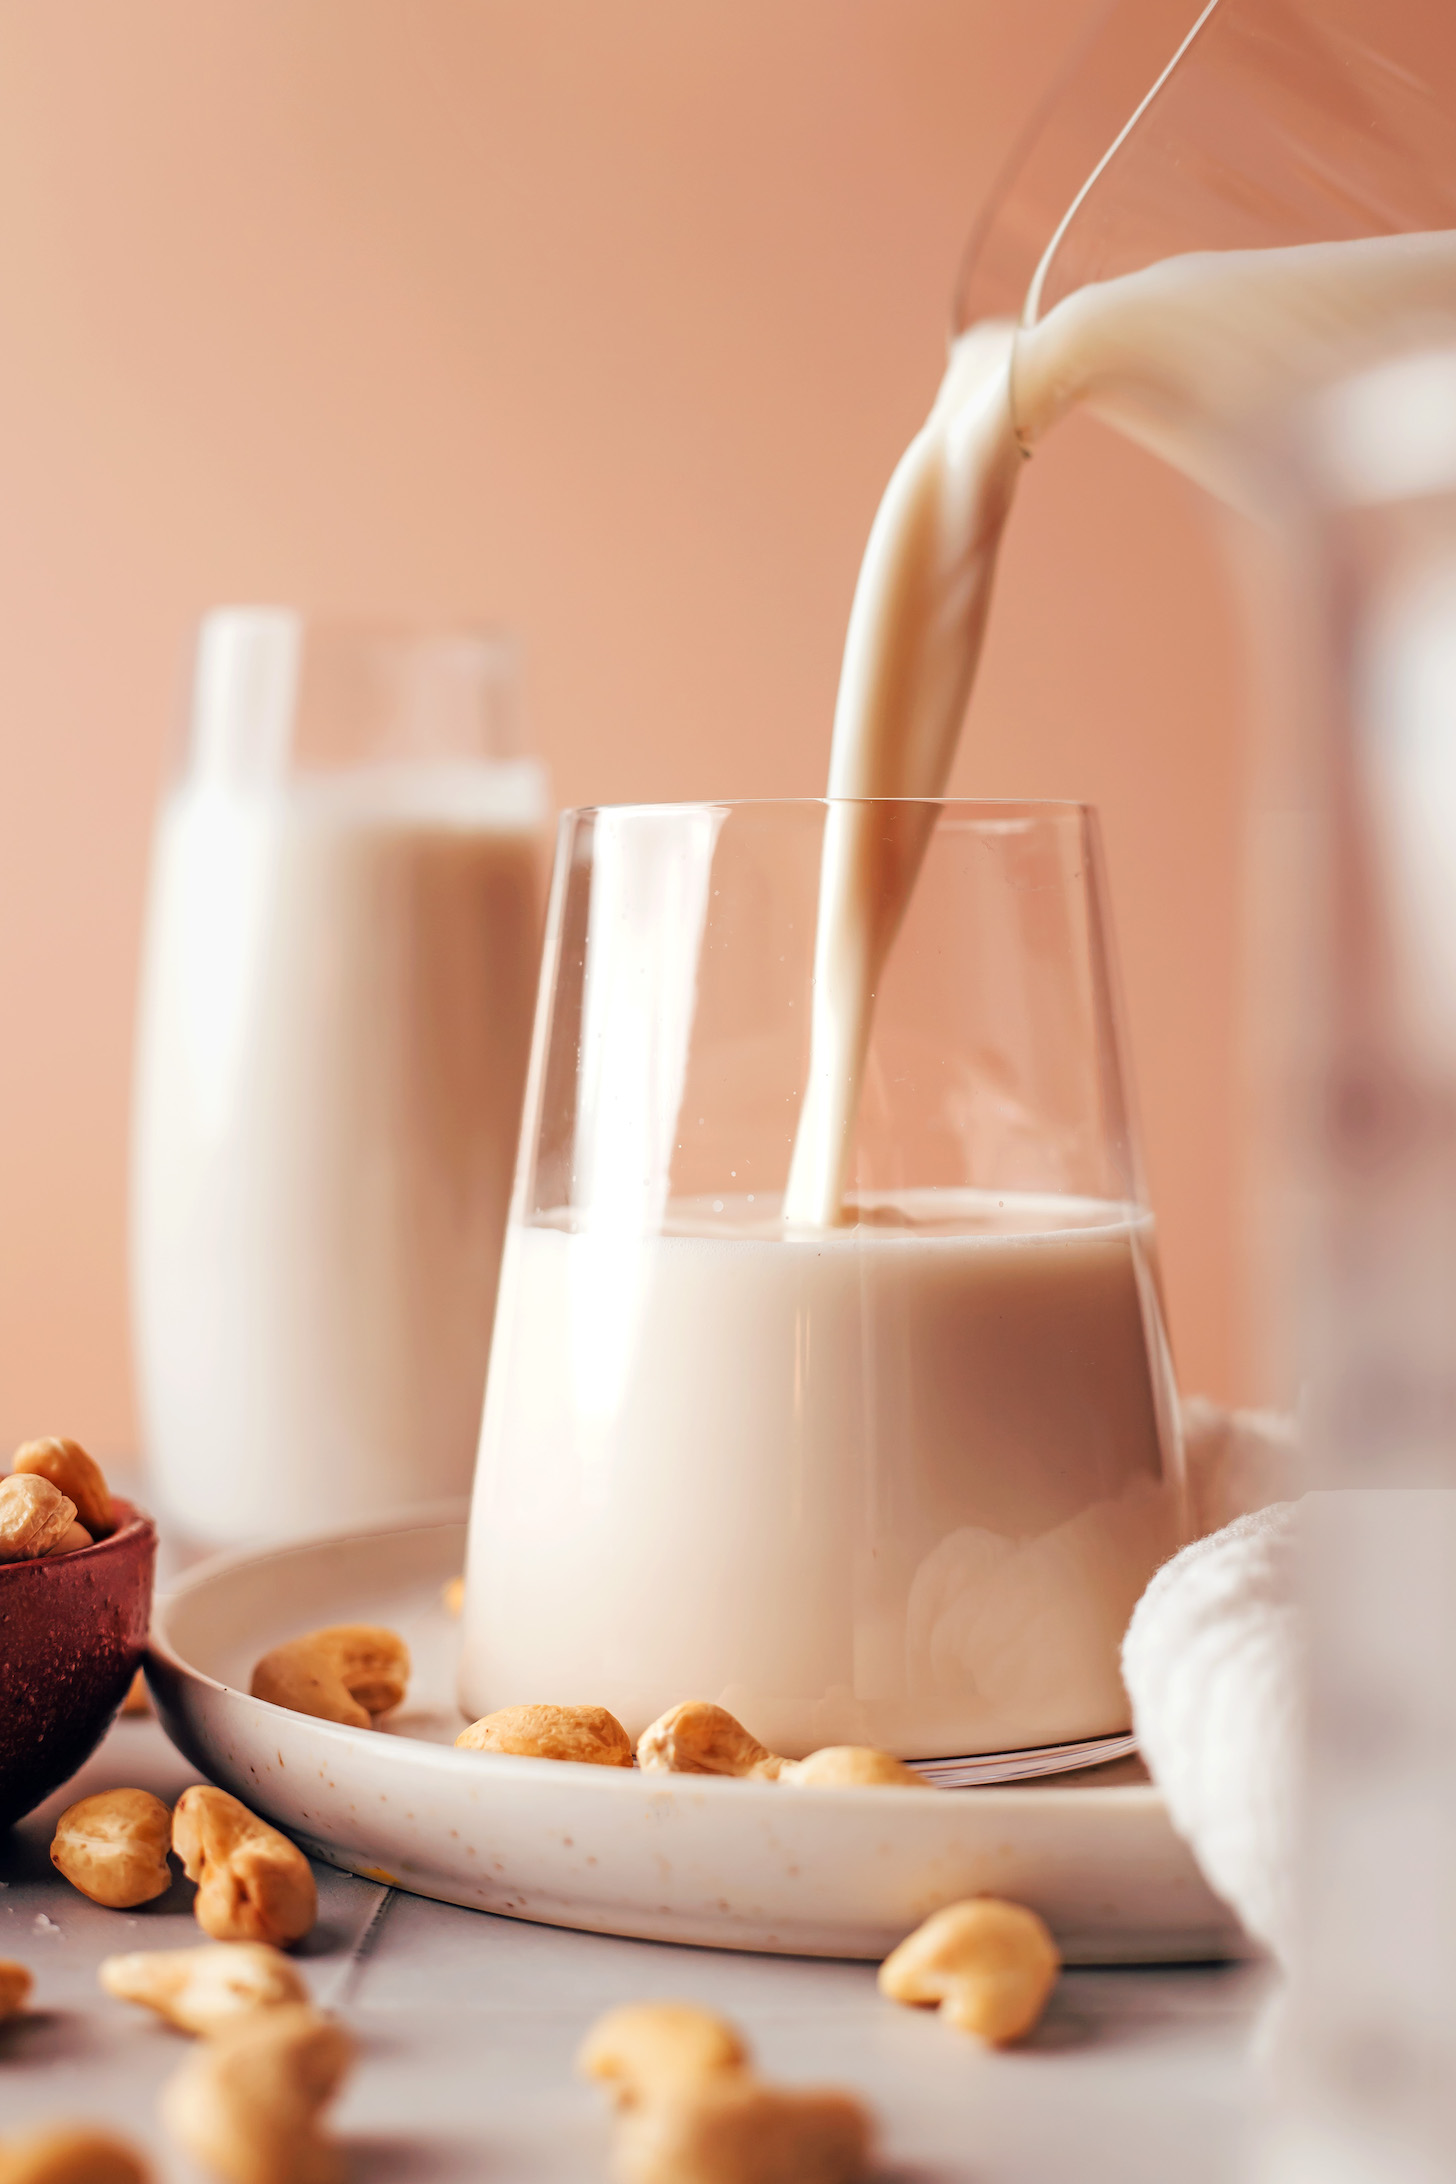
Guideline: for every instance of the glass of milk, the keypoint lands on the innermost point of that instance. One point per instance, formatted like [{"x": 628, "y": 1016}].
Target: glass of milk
[
  {"x": 895, "y": 1477},
  {"x": 339, "y": 968}
]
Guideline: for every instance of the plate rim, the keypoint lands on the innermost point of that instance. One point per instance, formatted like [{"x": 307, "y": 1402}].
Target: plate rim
[{"x": 505, "y": 1767}]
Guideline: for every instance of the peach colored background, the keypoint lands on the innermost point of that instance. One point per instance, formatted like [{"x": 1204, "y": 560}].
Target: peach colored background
[{"x": 605, "y": 318}]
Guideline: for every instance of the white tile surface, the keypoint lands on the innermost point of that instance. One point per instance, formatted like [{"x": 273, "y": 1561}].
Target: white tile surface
[{"x": 467, "y": 2026}]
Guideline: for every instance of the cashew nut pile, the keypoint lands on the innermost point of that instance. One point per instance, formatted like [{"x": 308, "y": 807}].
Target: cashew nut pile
[
  {"x": 205, "y": 1990},
  {"x": 690, "y": 2110},
  {"x": 113, "y": 1847},
  {"x": 15, "y": 1985},
  {"x": 584, "y": 1733},
  {"x": 249, "y": 2103},
  {"x": 990, "y": 1966},
  {"x": 694, "y": 1738},
  {"x": 54, "y": 1501},
  {"x": 69, "y": 2156},
  {"x": 699, "y": 1738},
  {"x": 252, "y": 1883},
  {"x": 348, "y": 1673}
]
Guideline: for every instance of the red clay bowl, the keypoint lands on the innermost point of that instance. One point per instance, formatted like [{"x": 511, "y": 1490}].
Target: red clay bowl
[{"x": 72, "y": 1634}]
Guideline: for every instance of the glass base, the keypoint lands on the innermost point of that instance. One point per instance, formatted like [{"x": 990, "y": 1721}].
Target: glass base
[{"x": 1038, "y": 1759}]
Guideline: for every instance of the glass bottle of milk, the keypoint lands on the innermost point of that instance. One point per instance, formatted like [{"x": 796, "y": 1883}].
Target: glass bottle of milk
[{"x": 338, "y": 977}]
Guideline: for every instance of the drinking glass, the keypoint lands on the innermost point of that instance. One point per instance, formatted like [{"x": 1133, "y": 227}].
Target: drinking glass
[
  {"x": 334, "y": 1021},
  {"x": 897, "y": 1481}
]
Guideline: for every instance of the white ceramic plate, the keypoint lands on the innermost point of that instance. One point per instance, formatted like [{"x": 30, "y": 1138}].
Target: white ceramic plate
[{"x": 691, "y": 1858}]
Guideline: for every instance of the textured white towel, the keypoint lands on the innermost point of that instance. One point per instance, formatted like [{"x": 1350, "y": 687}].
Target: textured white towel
[{"x": 1211, "y": 1663}]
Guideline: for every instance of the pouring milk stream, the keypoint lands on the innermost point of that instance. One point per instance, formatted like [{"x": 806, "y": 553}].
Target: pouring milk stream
[{"x": 1175, "y": 356}]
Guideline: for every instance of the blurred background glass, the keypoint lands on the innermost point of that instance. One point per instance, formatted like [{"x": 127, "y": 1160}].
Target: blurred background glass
[{"x": 336, "y": 1000}]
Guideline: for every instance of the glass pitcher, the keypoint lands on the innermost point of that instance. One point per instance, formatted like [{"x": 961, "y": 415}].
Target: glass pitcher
[
  {"x": 1248, "y": 126},
  {"x": 1365, "y": 470}
]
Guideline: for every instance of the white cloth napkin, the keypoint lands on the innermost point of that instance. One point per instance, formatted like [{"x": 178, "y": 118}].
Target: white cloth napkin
[{"x": 1211, "y": 1661}]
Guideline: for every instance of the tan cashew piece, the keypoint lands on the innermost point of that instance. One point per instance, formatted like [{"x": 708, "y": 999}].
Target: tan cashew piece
[
  {"x": 733, "y": 2129},
  {"x": 248, "y": 2103},
  {"x": 204, "y": 1990},
  {"x": 69, "y": 2155},
  {"x": 138, "y": 1699},
  {"x": 588, "y": 1734},
  {"x": 349, "y": 1673},
  {"x": 72, "y": 1540},
  {"x": 645, "y": 2049},
  {"x": 34, "y": 1516},
  {"x": 113, "y": 1847},
  {"x": 16, "y": 1982},
  {"x": 77, "y": 1475},
  {"x": 850, "y": 1767},
  {"x": 252, "y": 1883},
  {"x": 990, "y": 1965},
  {"x": 452, "y": 1597},
  {"x": 700, "y": 1738}
]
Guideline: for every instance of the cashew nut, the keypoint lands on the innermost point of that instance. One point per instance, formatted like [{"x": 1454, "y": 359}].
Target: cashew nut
[
  {"x": 646, "y": 2049},
  {"x": 138, "y": 1699},
  {"x": 113, "y": 1847},
  {"x": 989, "y": 1964},
  {"x": 70, "y": 2156},
  {"x": 34, "y": 1517},
  {"x": 348, "y": 1673},
  {"x": 850, "y": 1767},
  {"x": 16, "y": 1981},
  {"x": 699, "y": 1738},
  {"x": 71, "y": 1540},
  {"x": 585, "y": 1733},
  {"x": 690, "y": 2110},
  {"x": 252, "y": 1883},
  {"x": 78, "y": 1476},
  {"x": 204, "y": 1990},
  {"x": 452, "y": 1597},
  {"x": 247, "y": 2104},
  {"x": 733, "y": 2129}
]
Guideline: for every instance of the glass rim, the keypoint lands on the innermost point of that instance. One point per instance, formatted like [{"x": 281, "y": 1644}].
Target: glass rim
[
  {"x": 991, "y": 807},
  {"x": 425, "y": 625}
]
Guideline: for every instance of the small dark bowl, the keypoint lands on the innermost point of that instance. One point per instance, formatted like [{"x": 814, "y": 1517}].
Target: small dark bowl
[{"x": 73, "y": 1630}]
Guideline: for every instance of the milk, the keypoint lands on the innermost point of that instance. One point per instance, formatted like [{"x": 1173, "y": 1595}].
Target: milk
[
  {"x": 335, "y": 1014},
  {"x": 1177, "y": 356},
  {"x": 887, "y": 1473},
  {"x": 901, "y": 1484}
]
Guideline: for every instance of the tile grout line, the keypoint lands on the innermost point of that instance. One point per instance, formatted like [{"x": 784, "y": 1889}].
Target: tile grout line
[{"x": 365, "y": 1946}]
